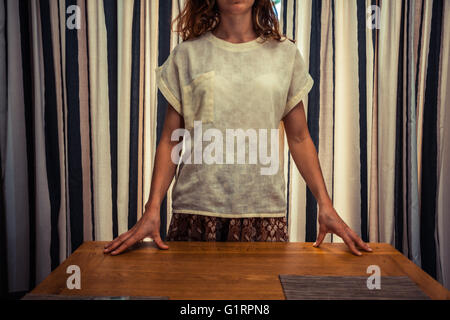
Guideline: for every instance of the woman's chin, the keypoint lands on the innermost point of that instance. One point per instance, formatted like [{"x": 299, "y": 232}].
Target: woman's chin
[{"x": 237, "y": 7}]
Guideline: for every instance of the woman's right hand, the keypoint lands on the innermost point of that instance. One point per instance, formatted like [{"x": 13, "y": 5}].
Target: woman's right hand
[
  {"x": 147, "y": 226},
  {"x": 163, "y": 173}
]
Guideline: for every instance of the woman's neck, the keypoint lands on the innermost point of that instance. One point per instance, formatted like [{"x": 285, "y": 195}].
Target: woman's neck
[{"x": 236, "y": 28}]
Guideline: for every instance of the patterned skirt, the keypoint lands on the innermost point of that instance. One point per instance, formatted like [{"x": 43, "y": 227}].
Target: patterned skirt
[{"x": 192, "y": 227}]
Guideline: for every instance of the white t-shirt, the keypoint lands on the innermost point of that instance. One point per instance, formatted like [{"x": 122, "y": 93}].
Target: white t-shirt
[{"x": 223, "y": 90}]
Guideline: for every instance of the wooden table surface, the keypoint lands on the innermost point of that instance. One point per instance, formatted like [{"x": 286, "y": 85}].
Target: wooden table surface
[{"x": 222, "y": 270}]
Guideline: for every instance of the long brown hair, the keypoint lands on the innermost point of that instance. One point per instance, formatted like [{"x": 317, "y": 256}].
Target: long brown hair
[{"x": 201, "y": 16}]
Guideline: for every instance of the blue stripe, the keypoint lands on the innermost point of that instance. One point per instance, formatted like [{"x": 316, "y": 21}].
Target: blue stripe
[
  {"x": 398, "y": 185},
  {"x": 110, "y": 7},
  {"x": 429, "y": 146},
  {"x": 284, "y": 11},
  {"x": 134, "y": 117},
  {"x": 51, "y": 133},
  {"x": 362, "y": 62},
  {"x": 294, "y": 17},
  {"x": 29, "y": 121},
  {"x": 75, "y": 169}
]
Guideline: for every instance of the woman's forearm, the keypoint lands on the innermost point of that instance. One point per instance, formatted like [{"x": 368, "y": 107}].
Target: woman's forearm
[
  {"x": 163, "y": 173},
  {"x": 164, "y": 168},
  {"x": 305, "y": 157}
]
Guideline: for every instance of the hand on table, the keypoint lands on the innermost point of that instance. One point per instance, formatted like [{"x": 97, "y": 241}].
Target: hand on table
[
  {"x": 330, "y": 222},
  {"x": 147, "y": 226}
]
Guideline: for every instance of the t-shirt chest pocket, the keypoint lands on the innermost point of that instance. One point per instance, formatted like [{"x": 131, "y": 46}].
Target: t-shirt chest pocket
[{"x": 198, "y": 99}]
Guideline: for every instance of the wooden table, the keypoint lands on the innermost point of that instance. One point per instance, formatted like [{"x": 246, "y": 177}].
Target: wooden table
[{"x": 225, "y": 270}]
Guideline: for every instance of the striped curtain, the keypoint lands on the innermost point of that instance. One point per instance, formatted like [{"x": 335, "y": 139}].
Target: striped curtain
[
  {"x": 377, "y": 116},
  {"x": 80, "y": 118},
  {"x": 78, "y": 126}
]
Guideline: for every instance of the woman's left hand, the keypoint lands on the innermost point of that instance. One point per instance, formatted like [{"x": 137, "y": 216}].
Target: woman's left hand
[{"x": 330, "y": 222}]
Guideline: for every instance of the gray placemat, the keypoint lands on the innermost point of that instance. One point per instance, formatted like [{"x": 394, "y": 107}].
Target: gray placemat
[
  {"x": 297, "y": 287},
  {"x": 31, "y": 296}
]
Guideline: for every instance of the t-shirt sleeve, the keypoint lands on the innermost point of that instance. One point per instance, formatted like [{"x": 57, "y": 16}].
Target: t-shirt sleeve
[
  {"x": 168, "y": 82},
  {"x": 300, "y": 85}
]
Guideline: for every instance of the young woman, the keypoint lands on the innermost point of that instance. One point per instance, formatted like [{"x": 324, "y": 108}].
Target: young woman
[{"x": 234, "y": 70}]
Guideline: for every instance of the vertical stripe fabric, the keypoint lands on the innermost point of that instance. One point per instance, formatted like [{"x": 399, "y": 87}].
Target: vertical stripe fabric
[
  {"x": 61, "y": 223},
  {"x": 110, "y": 12},
  {"x": 27, "y": 86},
  {"x": 140, "y": 182},
  {"x": 399, "y": 146},
  {"x": 3, "y": 86},
  {"x": 411, "y": 233},
  {"x": 347, "y": 166},
  {"x": 443, "y": 201},
  {"x": 101, "y": 112},
  {"x": 125, "y": 24},
  {"x": 85, "y": 134},
  {"x": 3, "y": 110},
  {"x": 134, "y": 115},
  {"x": 75, "y": 169},
  {"x": 15, "y": 181},
  {"x": 81, "y": 116},
  {"x": 387, "y": 98},
  {"x": 43, "y": 206},
  {"x": 51, "y": 141},
  {"x": 326, "y": 115},
  {"x": 377, "y": 116},
  {"x": 373, "y": 133},
  {"x": 362, "y": 85},
  {"x": 78, "y": 130},
  {"x": 429, "y": 146}
]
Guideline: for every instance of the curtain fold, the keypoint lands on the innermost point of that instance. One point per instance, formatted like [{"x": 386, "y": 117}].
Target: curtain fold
[
  {"x": 15, "y": 160},
  {"x": 347, "y": 173},
  {"x": 103, "y": 115},
  {"x": 443, "y": 201},
  {"x": 3, "y": 121}
]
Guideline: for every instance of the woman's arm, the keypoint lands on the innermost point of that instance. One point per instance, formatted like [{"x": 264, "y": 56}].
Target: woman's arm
[
  {"x": 305, "y": 157},
  {"x": 163, "y": 173}
]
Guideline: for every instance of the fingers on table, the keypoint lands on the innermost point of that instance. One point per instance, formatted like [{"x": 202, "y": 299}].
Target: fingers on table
[
  {"x": 359, "y": 242},
  {"x": 349, "y": 242},
  {"x": 351, "y": 239},
  {"x": 320, "y": 238},
  {"x": 126, "y": 244},
  {"x": 117, "y": 242},
  {"x": 157, "y": 239}
]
